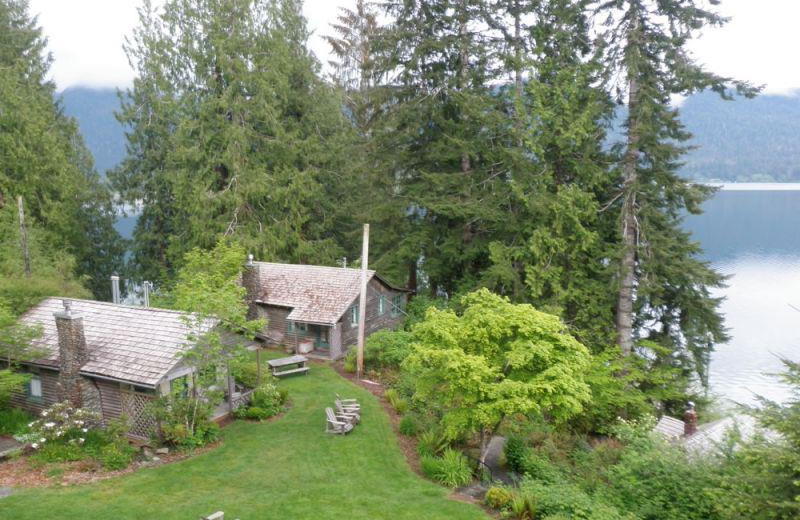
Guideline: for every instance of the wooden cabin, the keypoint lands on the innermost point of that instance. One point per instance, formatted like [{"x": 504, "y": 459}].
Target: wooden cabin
[
  {"x": 111, "y": 358},
  {"x": 313, "y": 309}
]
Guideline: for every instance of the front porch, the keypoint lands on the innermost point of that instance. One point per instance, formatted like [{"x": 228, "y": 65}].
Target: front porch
[{"x": 314, "y": 340}]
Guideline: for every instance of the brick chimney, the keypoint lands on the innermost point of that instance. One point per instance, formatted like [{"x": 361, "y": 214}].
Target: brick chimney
[
  {"x": 73, "y": 354},
  {"x": 251, "y": 284},
  {"x": 689, "y": 420}
]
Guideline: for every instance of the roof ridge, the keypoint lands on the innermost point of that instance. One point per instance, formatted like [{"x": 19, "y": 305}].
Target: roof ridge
[
  {"x": 313, "y": 265},
  {"x": 112, "y": 304}
]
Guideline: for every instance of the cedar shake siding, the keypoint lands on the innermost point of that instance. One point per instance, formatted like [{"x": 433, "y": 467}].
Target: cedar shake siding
[
  {"x": 311, "y": 304},
  {"x": 49, "y": 380},
  {"x": 390, "y": 319}
]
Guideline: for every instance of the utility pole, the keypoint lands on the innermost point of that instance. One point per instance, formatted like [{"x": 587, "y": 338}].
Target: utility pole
[
  {"x": 23, "y": 238},
  {"x": 362, "y": 304}
]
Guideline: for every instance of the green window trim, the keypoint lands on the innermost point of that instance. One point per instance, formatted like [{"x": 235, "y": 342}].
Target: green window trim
[
  {"x": 397, "y": 305},
  {"x": 298, "y": 327},
  {"x": 381, "y": 305}
]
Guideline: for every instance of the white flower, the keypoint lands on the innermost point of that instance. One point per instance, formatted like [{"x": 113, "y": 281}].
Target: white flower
[
  {"x": 84, "y": 430},
  {"x": 79, "y": 423},
  {"x": 81, "y": 440},
  {"x": 49, "y": 424},
  {"x": 42, "y": 440},
  {"x": 34, "y": 445},
  {"x": 30, "y": 424},
  {"x": 44, "y": 413}
]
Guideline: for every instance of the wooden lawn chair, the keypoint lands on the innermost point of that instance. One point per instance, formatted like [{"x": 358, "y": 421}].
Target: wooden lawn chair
[
  {"x": 335, "y": 424},
  {"x": 351, "y": 415}
]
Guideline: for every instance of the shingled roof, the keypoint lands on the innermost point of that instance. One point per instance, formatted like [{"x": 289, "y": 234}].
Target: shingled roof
[
  {"x": 316, "y": 294},
  {"x": 126, "y": 343}
]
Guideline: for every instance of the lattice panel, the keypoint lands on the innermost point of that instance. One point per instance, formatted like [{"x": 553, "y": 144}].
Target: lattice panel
[{"x": 136, "y": 407}]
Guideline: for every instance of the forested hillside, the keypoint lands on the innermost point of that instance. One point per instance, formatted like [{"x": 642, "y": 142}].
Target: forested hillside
[{"x": 93, "y": 109}]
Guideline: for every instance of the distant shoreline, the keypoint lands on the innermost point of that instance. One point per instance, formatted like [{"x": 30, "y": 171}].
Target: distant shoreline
[{"x": 754, "y": 186}]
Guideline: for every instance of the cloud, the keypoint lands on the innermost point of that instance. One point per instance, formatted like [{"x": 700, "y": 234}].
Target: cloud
[{"x": 86, "y": 37}]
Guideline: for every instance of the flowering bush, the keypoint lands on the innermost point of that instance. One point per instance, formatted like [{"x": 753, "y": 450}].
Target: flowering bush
[{"x": 62, "y": 423}]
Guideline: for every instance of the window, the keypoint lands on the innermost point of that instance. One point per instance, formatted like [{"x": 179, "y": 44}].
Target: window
[
  {"x": 381, "y": 305},
  {"x": 354, "y": 314},
  {"x": 34, "y": 389},
  {"x": 397, "y": 305},
  {"x": 299, "y": 328}
]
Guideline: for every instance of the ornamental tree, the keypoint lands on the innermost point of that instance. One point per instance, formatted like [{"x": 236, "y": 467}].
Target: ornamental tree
[{"x": 494, "y": 359}]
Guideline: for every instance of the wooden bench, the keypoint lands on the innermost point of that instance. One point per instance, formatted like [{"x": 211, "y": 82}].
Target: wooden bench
[{"x": 288, "y": 365}]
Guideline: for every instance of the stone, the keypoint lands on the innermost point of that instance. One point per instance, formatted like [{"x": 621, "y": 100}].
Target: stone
[
  {"x": 147, "y": 452},
  {"x": 162, "y": 451},
  {"x": 155, "y": 459},
  {"x": 5, "y": 491}
]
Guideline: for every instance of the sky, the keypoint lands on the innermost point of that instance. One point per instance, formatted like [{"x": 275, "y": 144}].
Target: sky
[{"x": 86, "y": 37}]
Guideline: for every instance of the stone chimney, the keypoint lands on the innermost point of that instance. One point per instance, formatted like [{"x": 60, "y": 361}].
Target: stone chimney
[
  {"x": 73, "y": 354},
  {"x": 251, "y": 284},
  {"x": 689, "y": 420}
]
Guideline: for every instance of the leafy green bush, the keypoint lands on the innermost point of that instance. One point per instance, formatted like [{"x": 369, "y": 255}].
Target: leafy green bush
[
  {"x": 515, "y": 451},
  {"x": 245, "y": 371},
  {"x": 451, "y": 469},
  {"x": 498, "y": 497},
  {"x": 383, "y": 349},
  {"x": 539, "y": 467},
  {"x": 408, "y": 426},
  {"x": 659, "y": 481},
  {"x": 14, "y": 421},
  {"x": 431, "y": 443},
  {"x": 568, "y": 500},
  {"x": 184, "y": 422},
  {"x": 58, "y": 452},
  {"x": 63, "y": 423},
  {"x": 267, "y": 401},
  {"x": 117, "y": 455},
  {"x": 398, "y": 403},
  {"x": 523, "y": 506},
  {"x": 10, "y": 382}
]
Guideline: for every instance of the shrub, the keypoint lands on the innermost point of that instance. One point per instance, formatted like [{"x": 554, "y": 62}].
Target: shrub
[
  {"x": 451, "y": 469},
  {"x": 383, "y": 349},
  {"x": 14, "y": 421},
  {"x": 398, "y": 403},
  {"x": 245, "y": 371},
  {"x": 184, "y": 422},
  {"x": 58, "y": 452},
  {"x": 498, "y": 497},
  {"x": 266, "y": 402},
  {"x": 431, "y": 443},
  {"x": 568, "y": 500},
  {"x": 515, "y": 451},
  {"x": 63, "y": 423},
  {"x": 523, "y": 506},
  {"x": 408, "y": 426},
  {"x": 117, "y": 455},
  {"x": 539, "y": 467},
  {"x": 11, "y": 382}
]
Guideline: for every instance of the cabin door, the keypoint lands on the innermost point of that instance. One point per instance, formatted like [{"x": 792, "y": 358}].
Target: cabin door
[{"x": 321, "y": 337}]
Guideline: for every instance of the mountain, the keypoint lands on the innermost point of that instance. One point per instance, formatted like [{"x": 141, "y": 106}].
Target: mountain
[
  {"x": 745, "y": 140},
  {"x": 755, "y": 140},
  {"x": 94, "y": 111}
]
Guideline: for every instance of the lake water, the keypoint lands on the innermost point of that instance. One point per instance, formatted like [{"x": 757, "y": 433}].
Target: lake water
[{"x": 752, "y": 234}]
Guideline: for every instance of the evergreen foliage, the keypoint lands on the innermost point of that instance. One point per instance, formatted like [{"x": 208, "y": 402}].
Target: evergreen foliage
[
  {"x": 236, "y": 137},
  {"x": 43, "y": 160}
]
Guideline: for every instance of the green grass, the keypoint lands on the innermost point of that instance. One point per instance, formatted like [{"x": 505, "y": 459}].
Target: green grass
[{"x": 288, "y": 468}]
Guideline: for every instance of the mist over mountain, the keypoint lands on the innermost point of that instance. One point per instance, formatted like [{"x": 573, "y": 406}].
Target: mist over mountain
[
  {"x": 746, "y": 140},
  {"x": 94, "y": 111}
]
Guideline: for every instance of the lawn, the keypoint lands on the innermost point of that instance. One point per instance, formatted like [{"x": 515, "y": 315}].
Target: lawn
[{"x": 287, "y": 468}]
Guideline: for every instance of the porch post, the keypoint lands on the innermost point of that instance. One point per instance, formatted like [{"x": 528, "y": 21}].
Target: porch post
[
  {"x": 231, "y": 386},
  {"x": 258, "y": 366}
]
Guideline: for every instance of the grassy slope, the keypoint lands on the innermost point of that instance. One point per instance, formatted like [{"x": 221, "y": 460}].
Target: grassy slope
[{"x": 283, "y": 469}]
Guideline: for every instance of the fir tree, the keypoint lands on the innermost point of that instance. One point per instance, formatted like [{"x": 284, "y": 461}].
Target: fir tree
[
  {"x": 664, "y": 289},
  {"x": 43, "y": 158},
  {"x": 235, "y": 137}
]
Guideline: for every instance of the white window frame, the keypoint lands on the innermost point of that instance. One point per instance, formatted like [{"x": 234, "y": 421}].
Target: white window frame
[
  {"x": 381, "y": 305},
  {"x": 35, "y": 388}
]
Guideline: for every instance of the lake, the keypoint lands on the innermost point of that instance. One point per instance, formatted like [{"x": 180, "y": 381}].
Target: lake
[{"x": 752, "y": 234}]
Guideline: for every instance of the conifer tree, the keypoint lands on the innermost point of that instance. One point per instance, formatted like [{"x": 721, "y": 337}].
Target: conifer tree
[
  {"x": 664, "y": 289},
  {"x": 43, "y": 159},
  {"x": 232, "y": 134}
]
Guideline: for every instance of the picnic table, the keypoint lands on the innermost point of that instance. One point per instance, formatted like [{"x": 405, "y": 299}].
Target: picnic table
[{"x": 288, "y": 365}]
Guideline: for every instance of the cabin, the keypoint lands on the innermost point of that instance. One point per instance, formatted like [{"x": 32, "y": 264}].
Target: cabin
[
  {"x": 313, "y": 309},
  {"x": 111, "y": 358}
]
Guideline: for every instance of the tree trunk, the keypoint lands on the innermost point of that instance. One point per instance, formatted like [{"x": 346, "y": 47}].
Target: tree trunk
[
  {"x": 23, "y": 238},
  {"x": 463, "y": 58},
  {"x": 629, "y": 230},
  {"x": 412, "y": 277}
]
